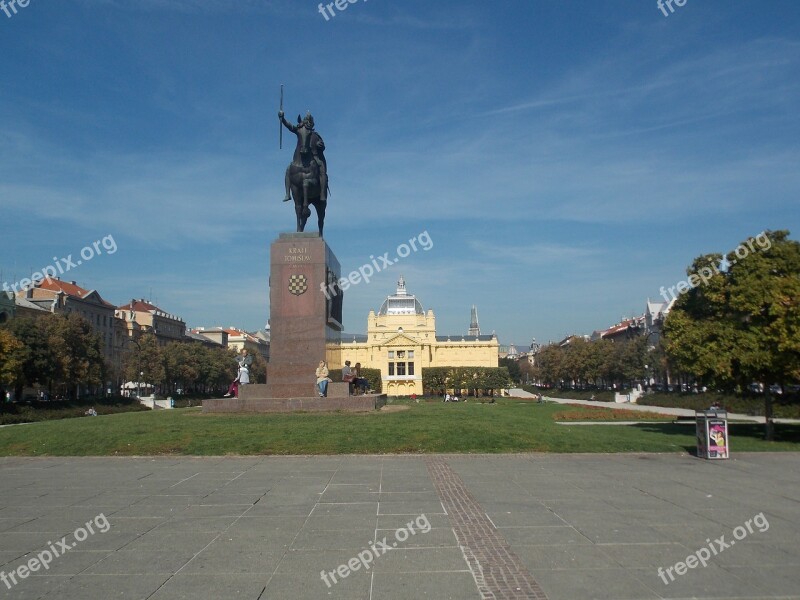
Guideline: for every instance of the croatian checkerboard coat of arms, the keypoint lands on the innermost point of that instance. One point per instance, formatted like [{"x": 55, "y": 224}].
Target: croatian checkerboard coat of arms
[{"x": 298, "y": 285}]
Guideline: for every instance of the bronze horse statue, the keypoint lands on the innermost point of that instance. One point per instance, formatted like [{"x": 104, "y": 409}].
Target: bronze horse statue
[{"x": 307, "y": 176}]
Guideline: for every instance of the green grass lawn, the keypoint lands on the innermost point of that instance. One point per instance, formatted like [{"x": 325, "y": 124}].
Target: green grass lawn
[{"x": 508, "y": 426}]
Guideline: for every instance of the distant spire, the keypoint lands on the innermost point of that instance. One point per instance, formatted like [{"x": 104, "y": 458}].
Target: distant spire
[
  {"x": 474, "y": 328},
  {"x": 401, "y": 287}
]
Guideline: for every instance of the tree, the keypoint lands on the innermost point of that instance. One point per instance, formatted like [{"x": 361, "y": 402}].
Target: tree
[
  {"x": 513, "y": 368},
  {"x": 58, "y": 351},
  {"x": 258, "y": 370},
  {"x": 743, "y": 324},
  {"x": 149, "y": 361},
  {"x": 595, "y": 361},
  {"x": 78, "y": 350},
  {"x": 39, "y": 360},
  {"x": 11, "y": 359},
  {"x": 550, "y": 367},
  {"x": 182, "y": 364},
  {"x": 437, "y": 380}
]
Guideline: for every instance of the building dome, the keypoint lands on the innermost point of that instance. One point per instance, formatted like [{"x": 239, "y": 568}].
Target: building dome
[{"x": 401, "y": 303}]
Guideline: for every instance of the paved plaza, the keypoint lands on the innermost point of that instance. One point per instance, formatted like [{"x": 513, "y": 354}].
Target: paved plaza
[{"x": 563, "y": 527}]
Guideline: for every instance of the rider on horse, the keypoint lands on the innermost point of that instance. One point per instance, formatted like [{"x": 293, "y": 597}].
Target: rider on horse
[{"x": 309, "y": 144}]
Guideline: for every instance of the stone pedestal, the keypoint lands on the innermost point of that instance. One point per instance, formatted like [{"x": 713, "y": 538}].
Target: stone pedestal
[
  {"x": 306, "y": 325},
  {"x": 255, "y": 399},
  {"x": 305, "y": 313}
]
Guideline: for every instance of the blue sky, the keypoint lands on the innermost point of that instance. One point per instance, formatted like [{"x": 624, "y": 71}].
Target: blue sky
[{"x": 566, "y": 158}]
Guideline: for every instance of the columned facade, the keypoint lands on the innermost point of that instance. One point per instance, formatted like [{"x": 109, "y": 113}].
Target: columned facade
[{"x": 401, "y": 341}]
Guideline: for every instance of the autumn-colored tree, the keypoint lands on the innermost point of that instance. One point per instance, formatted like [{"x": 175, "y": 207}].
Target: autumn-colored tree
[{"x": 11, "y": 359}]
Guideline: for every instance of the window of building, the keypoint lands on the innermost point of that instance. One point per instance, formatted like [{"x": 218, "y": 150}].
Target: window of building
[
  {"x": 391, "y": 368},
  {"x": 391, "y": 353},
  {"x": 411, "y": 368},
  {"x": 410, "y": 354},
  {"x": 401, "y": 368},
  {"x": 401, "y": 354}
]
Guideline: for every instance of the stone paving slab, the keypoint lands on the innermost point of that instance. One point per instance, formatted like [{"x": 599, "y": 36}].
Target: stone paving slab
[{"x": 257, "y": 528}]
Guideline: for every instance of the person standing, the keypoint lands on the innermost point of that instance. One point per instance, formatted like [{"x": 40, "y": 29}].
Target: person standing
[{"x": 322, "y": 379}]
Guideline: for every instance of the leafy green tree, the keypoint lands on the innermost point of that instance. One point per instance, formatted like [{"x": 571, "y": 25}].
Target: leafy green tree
[
  {"x": 633, "y": 357},
  {"x": 58, "y": 351},
  {"x": 596, "y": 353},
  {"x": 743, "y": 324},
  {"x": 39, "y": 360},
  {"x": 78, "y": 350},
  {"x": 551, "y": 365},
  {"x": 512, "y": 365},
  {"x": 437, "y": 380},
  {"x": 258, "y": 370},
  {"x": 149, "y": 360},
  {"x": 182, "y": 364},
  {"x": 374, "y": 377},
  {"x": 434, "y": 380}
]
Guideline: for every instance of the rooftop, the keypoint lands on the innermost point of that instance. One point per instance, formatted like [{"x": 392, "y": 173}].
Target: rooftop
[{"x": 401, "y": 303}]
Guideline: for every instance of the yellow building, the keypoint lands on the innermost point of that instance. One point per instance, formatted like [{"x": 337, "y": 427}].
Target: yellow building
[
  {"x": 401, "y": 341},
  {"x": 141, "y": 317}
]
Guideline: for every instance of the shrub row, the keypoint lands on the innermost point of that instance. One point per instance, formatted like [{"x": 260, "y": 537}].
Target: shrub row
[{"x": 33, "y": 411}]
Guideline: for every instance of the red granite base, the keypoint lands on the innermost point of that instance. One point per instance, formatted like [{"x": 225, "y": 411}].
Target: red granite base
[{"x": 365, "y": 403}]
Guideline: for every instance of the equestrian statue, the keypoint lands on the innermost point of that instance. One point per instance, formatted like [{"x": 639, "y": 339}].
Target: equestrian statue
[{"x": 306, "y": 177}]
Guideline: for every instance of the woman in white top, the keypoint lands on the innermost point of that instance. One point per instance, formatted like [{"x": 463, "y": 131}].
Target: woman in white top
[{"x": 322, "y": 379}]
